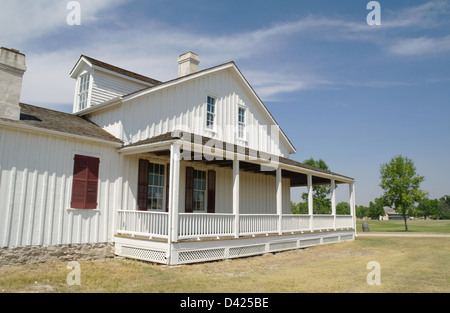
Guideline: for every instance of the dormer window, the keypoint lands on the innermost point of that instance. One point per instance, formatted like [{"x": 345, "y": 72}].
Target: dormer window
[{"x": 83, "y": 93}]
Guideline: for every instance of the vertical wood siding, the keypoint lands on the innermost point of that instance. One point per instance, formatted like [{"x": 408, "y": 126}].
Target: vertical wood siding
[
  {"x": 35, "y": 191},
  {"x": 106, "y": 87},
  {"x": 183, "y": 107}
]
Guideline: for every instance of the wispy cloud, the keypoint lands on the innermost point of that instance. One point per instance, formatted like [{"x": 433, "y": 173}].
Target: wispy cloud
[
  {"x": 421, "y": 46},
  {"x": 151, "y": 48}
]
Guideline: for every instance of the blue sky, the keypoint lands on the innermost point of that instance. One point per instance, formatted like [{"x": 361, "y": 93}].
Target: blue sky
[{"x": 352, "y": 94}]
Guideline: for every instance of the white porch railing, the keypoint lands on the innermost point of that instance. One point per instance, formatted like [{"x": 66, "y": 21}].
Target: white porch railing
[
  {"x": 255, "y": 224},
  {"x": 197, "y": 225},
  {"x": 200, "y": 225},
  {"x": 295, "y": 222},
  {"x": 143, "y": 223},
  {"x": 323, "y": 221}
]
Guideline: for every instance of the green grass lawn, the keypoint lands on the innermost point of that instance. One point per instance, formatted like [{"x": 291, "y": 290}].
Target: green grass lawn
[
  {"x": 407, "y": 264},
  {"x": 414, "y": 226}
]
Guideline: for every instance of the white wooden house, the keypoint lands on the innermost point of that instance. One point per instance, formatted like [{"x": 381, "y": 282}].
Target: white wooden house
[{"x": 188, "y": 170}]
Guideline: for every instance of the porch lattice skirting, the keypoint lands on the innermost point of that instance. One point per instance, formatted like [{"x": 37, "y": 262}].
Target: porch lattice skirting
[
  {"x": 194, "y": 251},
  {"x": 209, "y": 237}
]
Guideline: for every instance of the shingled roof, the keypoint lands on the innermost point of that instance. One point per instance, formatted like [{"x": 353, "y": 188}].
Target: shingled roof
[
  {"x": 121, "y": 71},
  {"x": 203, "y": 140},
  {"x": 64, "y": 123}
]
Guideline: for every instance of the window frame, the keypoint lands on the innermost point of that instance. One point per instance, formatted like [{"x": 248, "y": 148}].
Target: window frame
[
  {"x": 163, "y": 186},
  {"x": 204, "y": 190},
  {"x": 243, "y": 123},
  {"x": 213, "y": 127},
  {"x": 83, "y": 92}
]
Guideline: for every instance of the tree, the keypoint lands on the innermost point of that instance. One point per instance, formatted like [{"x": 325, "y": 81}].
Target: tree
[
  {"x": 361, "y": 211},
  {"x": 321, "y": 204},
  {"x": 343, "y": 208},
  {"x": 376, "y": 208},
  {"x": 300, "y": 208},
  {"x": 428, "y": 207},
  {"x": 444, "y": 208},
  {"x": 401, "y": 186}
]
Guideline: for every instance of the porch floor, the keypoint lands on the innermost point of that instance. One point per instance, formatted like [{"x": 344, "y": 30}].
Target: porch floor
[{"x": 191, "y": 250}]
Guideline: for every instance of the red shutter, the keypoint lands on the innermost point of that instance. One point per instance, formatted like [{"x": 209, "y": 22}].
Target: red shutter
[
  {"x": 143, "y": 185},
  {"x": 189, "y": 199},
  {"x": 92, "y": 183},
  {"x": 167, "y": 187},
  {"x": 211, "y": 191},
  {"x": 85, "y": 182}
]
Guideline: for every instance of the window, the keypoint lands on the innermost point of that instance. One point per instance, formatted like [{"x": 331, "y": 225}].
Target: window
[
  {"x": 85, "y": 182},
  {"x": 241, "y": 122},
  {"x": 84, "y": 91},
  {"x": 210, "y": 112},
  {"x": 199, "y": 191},
  {"x": 155, "y": 186}
]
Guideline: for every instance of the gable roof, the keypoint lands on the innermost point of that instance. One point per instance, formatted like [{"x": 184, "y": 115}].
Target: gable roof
[
  {"x": 229, "y": 65},
  {"x": 157, "y": 85},
  {"x": 115, "y": 69},
  {"x": 55, "y": 122}
]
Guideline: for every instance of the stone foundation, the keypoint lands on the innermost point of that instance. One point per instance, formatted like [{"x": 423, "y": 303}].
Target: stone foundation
[{"x": 42, "y": 254}]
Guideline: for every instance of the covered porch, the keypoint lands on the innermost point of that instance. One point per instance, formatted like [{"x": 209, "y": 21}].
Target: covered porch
[{"x": 177, "y": 235}]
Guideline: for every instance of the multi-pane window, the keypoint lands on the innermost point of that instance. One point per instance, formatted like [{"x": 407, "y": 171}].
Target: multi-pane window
[
  {"x": 199, "y": 191},
  {"x": 241, "y": 123},
  {"x": 210, "y": 112},
  {"x": 84, "y": 91},
  {"x": 155, "y": 186}
]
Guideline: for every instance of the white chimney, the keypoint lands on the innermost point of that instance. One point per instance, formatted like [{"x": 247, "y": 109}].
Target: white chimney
[
  {"x": 12, "y": 68},
  {"x": 188, "y": 64}
]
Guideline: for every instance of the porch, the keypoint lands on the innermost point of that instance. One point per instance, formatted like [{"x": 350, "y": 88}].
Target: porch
[
  {"x": 209, "y": 237},
  {"x": 235, "y": 227}
]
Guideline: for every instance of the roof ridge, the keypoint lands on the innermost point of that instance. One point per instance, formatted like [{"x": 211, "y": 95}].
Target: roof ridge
[{"x": 121, "y": 70}]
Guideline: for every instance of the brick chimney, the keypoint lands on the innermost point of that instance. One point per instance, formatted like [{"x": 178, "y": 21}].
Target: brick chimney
[
  {"x": 188, "y": 64},
  {"x": 12, "y": 68}
]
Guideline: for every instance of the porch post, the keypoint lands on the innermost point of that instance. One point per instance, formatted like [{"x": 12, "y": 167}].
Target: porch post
[
  {"x": 310, "y": 201},
  {"x": 236, "y": 197},
  {"x": 333, "y": 202},
  {"x": 352, "y": 204},
  {"x": 279, "y": 200},
  {"x": 174, "y": 189}
]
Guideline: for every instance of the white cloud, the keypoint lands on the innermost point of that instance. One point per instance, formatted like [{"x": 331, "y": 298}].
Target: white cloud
[
  {"x": 27, "y": 20},
  {"x": 421, "y": 46},
  {"x": 152, "y": 48}
]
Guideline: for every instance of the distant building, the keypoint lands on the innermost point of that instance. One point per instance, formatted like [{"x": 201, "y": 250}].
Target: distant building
[{"x": 390, "y": 214}]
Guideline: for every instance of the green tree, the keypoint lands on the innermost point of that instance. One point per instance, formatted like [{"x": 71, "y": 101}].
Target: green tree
[
  {"x": 300, "y": 208},
  {"x": 361, "y": 211},
  {"x": 321, "y": 202},
  {"x": 444, "y": 208},
  {"x": 428, "y": 207},
  {"x": 376, "y": 208},
  {"x": 401, "y": 186},
  {"x": 343, "y": 208}
]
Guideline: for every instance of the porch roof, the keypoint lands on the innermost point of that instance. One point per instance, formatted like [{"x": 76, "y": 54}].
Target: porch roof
[{"x": 251, "y": 160}]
